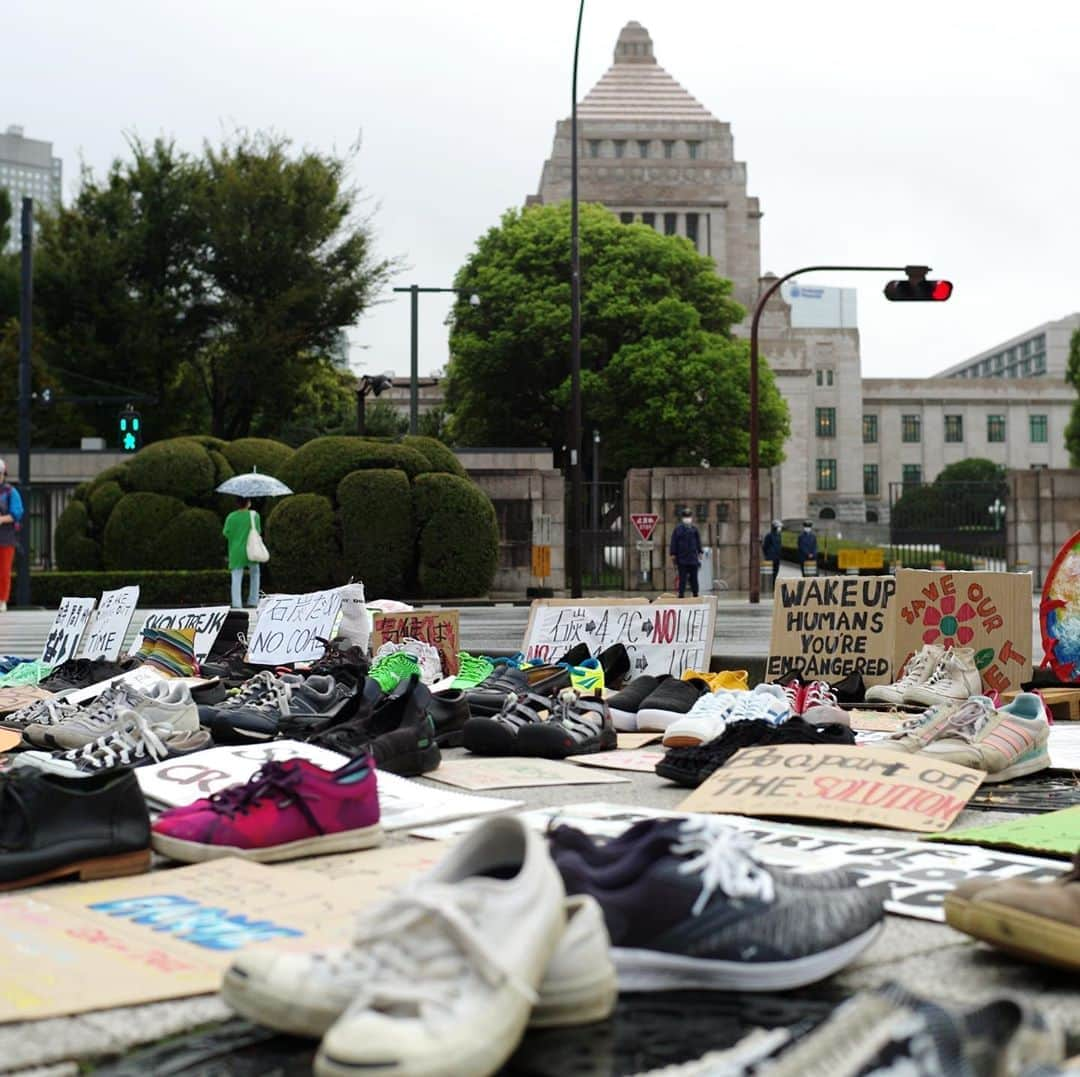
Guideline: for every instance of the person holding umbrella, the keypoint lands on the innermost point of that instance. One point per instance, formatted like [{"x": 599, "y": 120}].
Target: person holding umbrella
[{"x": 243, "y": 532}]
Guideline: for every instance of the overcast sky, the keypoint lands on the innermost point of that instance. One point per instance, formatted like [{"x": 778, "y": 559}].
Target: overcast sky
[{"x": 947, "y": 136}]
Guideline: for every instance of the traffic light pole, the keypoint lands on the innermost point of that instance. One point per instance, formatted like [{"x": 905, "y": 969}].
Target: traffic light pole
[
  {"x": 26, "y": 330},
  {"x": 755, "y": 433}
]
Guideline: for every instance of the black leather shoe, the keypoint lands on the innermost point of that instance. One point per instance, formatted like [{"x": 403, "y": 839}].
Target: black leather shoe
[
  {"x": 55, "y": 827},
  {"x": 450, "y": 711}
]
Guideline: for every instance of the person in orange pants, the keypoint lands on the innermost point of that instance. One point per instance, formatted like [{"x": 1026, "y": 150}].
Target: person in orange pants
[{"x": 11, "y": 514}]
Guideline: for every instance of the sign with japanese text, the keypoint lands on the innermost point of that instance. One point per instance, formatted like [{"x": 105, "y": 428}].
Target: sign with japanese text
[
  {"x": 434, "y": 626},
  {"x": 67, "y": 630},
  {"x": 645, "y": 523},
  {"x": 292, "y": 628},
  {"x": 207, "y": 621},
  {"x": 989, "y": 612},
  {"x": 109, "y": 624}
]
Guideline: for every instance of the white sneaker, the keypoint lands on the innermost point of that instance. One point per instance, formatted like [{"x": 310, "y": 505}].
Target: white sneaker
[
  {"x": 705, "y": 720},
  {"x": 427, "y": 657},
  {"x": 453, "y": 962},
  {"x": 767, "y": 702},
  {"x": 919, "y": 668},
  {"x": 303, "y": 994},
  {"x": 954, "y": 679}
]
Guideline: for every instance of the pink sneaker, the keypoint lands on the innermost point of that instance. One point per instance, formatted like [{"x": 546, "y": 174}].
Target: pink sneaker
[
  {"x": 795, "y": 691},
  {"x": 819, "y": 706},
  {"x": 287, "y": 810}
]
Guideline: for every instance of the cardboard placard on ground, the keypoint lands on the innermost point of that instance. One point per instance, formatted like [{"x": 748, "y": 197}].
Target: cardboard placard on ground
[
  {"x": 67, "y": 630},
  {"x": 988, "y": 611},
  {"x": 207, "y": 621},
  {"x": 828, "y": 627},
  {"x": 14, "y": 697},
  {"x": 877, "y": 721},
  {"x": 1056, "y": 833},
  {"x": 108, "y": 626},
  {"x": 290, "y": 628},
  {"x": 845, "y": 783},
  {"x": 434, "y": 626},
  {"x": 1064, "y": 746},
  {"x": 640, "y": 759},
  {"x": 669, "y": 636},
  {"x": 638, "y": 740},
  {"x": 515, "y": 773}
]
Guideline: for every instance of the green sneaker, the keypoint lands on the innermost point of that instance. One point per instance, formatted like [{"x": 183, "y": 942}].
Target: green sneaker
[
  {"x": 392, "y": 668},
  {"x": 471, "y": 671}
]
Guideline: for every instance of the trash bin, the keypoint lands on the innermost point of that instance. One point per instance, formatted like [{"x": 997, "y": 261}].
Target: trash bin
[
  {"x": 705, "y": 571},
  {"x": 766, "y": 582}
]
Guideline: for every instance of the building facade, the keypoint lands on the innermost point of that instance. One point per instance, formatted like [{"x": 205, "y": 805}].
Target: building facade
[
  {"x": 28, "y": 169},
  {"x": 1042, "y": 352}
]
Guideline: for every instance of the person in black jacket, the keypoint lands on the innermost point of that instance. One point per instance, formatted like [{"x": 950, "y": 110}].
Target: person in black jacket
[
  {"x": 807, "y": 545},
  {"x": 771, "y": 548},
  {"x": 686, "y": 554}
]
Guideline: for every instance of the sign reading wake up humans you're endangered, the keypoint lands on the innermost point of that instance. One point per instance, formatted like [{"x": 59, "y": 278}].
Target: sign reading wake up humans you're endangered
[{"x": 828, "y": 627}]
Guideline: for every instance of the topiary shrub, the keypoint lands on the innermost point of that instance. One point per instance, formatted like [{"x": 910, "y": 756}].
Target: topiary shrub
[
  {"x": 102, "y": 500},
  {"x": 135, "y": 533},
  {"x": 320, "y": 465},
  {"x": 302, "y": 536},
  {"x": 457, "y": 537},
  {"x": 208, "y": 441},
  {"x": 438, "y": 456},
  {"x": 75, "y": 550},
  {"x": 262, "y": 454},
  {"x": 81, "y": 492},
  {"x": 116, "y": 473},
  {"x": 377, "y": 533},
  {"x": 179, "y": 467},
  {"x": 194, "y": 540}
]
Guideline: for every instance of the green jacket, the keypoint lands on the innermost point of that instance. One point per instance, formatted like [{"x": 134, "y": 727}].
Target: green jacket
[{"x": 236, "y": 530}]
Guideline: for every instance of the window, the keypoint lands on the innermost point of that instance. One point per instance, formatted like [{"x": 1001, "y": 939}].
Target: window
[
  {"x": 626, "y": 218},
  {"x": 649, "y": 219},
  {"x": 995, "y": 428},
  {"x": 1025, "y": 368},
  {"x": 828, "y": 377},
  {"x": 669, "y": 148},
  {"x": 1040, "y": 364},
  {"x": 643, "y": 147},
  {"x": 911, "y": 428},
  {"x": 1038, "y": 424},
  {"x": 692, "y": 228},
  {"x": 594, "y": 147},
  {"x": 620, "y": 146},
  {"x": 870, "y": 486},
  {"x": 669, "y": 224},
  {"x": 954, "y": 428},
  {"x": 869, "y": 429},
  {"x": 692, "y": 150},
  {"x": 826, "y": 474},
  {"x": 820, "y": 377},
  {"x": 826, "y": 422},
  {"x": 911, "y": 474}
]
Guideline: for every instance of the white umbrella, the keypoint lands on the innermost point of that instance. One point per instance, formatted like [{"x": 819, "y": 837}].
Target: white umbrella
[{"x": 253, "y": 484}]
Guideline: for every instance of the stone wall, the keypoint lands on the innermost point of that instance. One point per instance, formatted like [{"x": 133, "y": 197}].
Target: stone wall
[{"x": 1043, "y": 513}]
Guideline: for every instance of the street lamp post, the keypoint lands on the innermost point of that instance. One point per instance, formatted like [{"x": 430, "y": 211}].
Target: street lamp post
[
  {"x": 26, "y": 310},
  {"x": 598, "y": 549},
  {"x": 414, "y": 291},
  {"x": 755, "y": 433}
]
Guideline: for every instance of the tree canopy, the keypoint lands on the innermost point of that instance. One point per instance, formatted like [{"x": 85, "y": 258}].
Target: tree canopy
[
  {"x": 960, "y": 496},
  {"x": 662, "y": 377},
  {"x": 1072, "y": 376}
]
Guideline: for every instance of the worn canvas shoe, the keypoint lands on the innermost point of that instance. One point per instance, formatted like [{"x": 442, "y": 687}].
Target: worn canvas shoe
[
  {"x": 670, "y": 701},
  {"x": 41, "y": 712},
  {"x": 624, "y": 705},
  {"x": 577, "y": 725},
  {"x": 303, "y": 994},
  {"x": 287, "y": 810},
  {"x": 920, "y": 729},
  {"x": 820, "y": 705},
  {"x": 953, "y": 680},
  {"x": 454, "y": 961},
  {"x": 702, "y": 913},
  {"x": 705, "y": 720},
  {"x": 918, "y": 670},
  {"x": 1004, "y": 743}
]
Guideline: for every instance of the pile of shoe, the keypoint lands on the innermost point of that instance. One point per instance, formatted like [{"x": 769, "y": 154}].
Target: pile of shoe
[{"x": 932, "y": 675}]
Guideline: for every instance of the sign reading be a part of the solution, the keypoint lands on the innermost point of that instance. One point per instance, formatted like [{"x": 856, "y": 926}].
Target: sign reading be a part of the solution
[
  {"x": 827, "y": 627},
  {"x": 846, "y": 783}
]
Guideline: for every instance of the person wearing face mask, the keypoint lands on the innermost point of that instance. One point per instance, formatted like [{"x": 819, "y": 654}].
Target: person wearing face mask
[
  {"x": 807, "y": 545},
  {"x": 686, "y": 554},
  {"x": 772, "y": 547},
  {"x": 11, "y": 514}
]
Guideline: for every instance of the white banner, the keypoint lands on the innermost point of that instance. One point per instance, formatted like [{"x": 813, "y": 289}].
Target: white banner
[
  {"x": 288, "y": 628},
  {"x": 109, "y": 624},
  {"x": 206, "y": 620},
  {"x": 67, "y": 629}
]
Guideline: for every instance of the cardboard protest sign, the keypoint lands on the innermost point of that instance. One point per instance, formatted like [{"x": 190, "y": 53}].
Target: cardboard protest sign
[
  {"x": 108, "y": 626},
  {"x": 207, "y": 621},
  {"x": 67, "y": 630},
  {"x": 1056, "y": 833},
  {"x": 515, "y": 773},
  {"x": 638, "y": 740},
  {"x": 290, "y": 628},
  {"x": 434, "y": 626},
  {"x": 845, "y": 783},
  {"x": 670, "y": 636},
  {"x": 988, "y": 611},
  {"x": 828, "y": 627},
  {"x": 639, "y": 759}
]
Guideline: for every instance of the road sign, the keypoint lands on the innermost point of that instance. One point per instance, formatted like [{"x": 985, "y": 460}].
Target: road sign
[{"x": 645, "y": 522}]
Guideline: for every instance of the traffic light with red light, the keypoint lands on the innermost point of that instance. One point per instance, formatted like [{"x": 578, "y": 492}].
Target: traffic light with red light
[{"x": 917, "y": 289}]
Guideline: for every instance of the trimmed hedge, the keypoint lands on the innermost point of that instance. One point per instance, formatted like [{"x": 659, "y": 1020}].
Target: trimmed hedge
[
  {"x": 194, "y": 541},
  {"x": 377, "y": 532},
  {"x": 102, "y": 500},
  {"x": 135, "y": 536},
  {"x": 318, "y": 466},
  {"x": 263, "y": 454},
  {"x": 302, "y": 536},
  {"x": 438, "y": 456},
  {"x": 179, "y": 467},
  {"x": 457, "y": 537},
  {"x": 163, "y": 589},
  {"x": 116, "y": 473},
  {"x": 74, "y": 547}
]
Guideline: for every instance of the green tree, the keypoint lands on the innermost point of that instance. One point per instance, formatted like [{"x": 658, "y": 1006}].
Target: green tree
[
  {"x": 383, "y": 420},
  {"x": 663, "y": 379},
  {"x": 1072, "y": 376},
  {"x": 960, "y": 496},
  {"x": 9, "y": 264}
]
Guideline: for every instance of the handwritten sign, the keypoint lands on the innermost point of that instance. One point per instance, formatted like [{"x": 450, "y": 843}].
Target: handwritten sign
[
  {"x": 850, "y": 784},
  {"x": 987, "y": 611},
  {"x": 291, "y": 628},
  {"x": 206, "y": 620},
  {"x": 434, "y": 626},
  {"x": 670, "y": 636},
  {"x": 67, "y": 630},
  {"x": 828, "y": 627},
  {"x": 514, "y": 773},
  {"x": 643, "y": 760},
  {"x": 109, "y": 624}
]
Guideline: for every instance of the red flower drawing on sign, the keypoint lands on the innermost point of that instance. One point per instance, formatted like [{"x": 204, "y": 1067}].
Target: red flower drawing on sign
[{"x": 946, "y": 623}]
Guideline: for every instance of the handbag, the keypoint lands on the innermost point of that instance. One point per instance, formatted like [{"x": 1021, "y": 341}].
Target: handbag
[{"x": 256, "y": 549}]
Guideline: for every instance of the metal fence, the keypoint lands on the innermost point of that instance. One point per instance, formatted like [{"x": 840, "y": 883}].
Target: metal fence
[
  {"x": 960, "y": 523},
  {"x": 602, "y": 536}
]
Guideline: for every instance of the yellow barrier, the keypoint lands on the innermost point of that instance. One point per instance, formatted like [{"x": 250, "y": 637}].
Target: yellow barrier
[{"x": 869, "y": 558}]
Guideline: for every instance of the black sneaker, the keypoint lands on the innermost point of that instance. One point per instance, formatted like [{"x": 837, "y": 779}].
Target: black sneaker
[
  {"x": 230, "y": 667},
  {"x": 450, "y": 711},
  {"x": 83, "y": 672},
  {"x": 497, "y": 734},
  {"x": 671, "y": 699},
  {"x": 578, "y": 725},
  {"x": 850, "y": 691},
  {"x": 357, "y": 695},
  {"x": 615, "y": 662},
  {"x": 624, "y": 705},
  {"x": 691, "y": 766}
]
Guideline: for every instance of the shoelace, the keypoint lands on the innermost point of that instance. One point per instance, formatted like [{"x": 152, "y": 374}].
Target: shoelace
[
  {"x": 415, "y": 948},
  {"x": 914, "y": 671},
  {"x": 252, "y": 690},
  {"x": 943, "y": 671},
  {"x": 722, "y": 859},
  {"x": 103, "y": 711},
  {"x": 819, "y": 694},
  {"x": 471, "y": 667},
  {"x": 45, "y": 712},
  {"x": 967, "y": 722},
  {"x": 135, "y": 739},
  {"x": 271, "y": 779}
]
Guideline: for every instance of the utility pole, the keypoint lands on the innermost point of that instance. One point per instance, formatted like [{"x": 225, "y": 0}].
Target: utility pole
[{"x": 26, "y": 303}]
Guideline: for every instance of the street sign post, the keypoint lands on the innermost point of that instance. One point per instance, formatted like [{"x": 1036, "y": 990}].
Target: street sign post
[{"x": 645, "y": 523}]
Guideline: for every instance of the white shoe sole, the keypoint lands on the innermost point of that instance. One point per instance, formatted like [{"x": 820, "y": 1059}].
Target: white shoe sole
[
  {"x": 881, "y": 693},
  {"x": 583, "y": 1002},
  {"x": 927, "y": 698},
  {"x": 195, "y": 852},
  {"x": 1017, "y": 770},
  {"x": 654, "y": 721},
  {"x": 624, "y": 721},
  {"x": 653, "y": 970}
]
